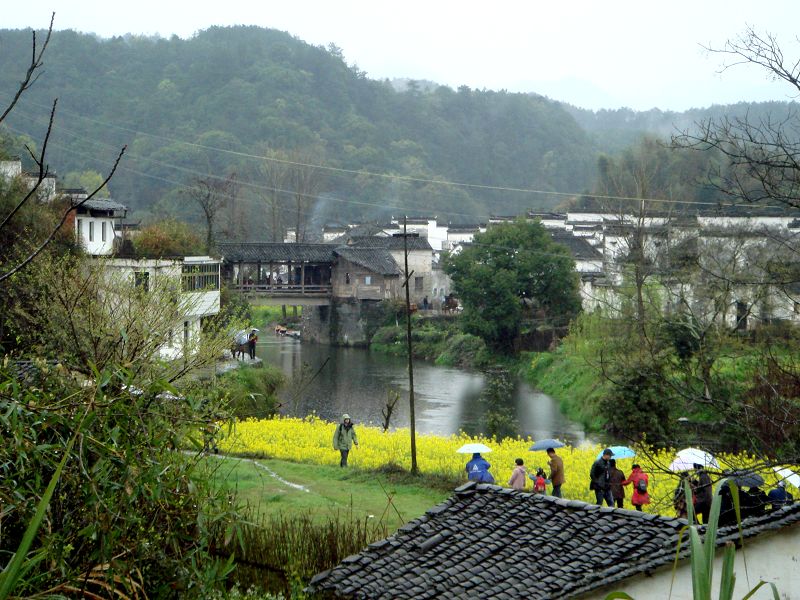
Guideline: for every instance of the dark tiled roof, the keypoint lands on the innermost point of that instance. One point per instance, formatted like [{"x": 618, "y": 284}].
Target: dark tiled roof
[
  {"x": 578, "y": 247},
  {"x": 377, "y": 260},
  {"x": 362, "y": 230},
  {"x": 394, "y": 242},
  {"x": 491, "y": 542},
  {"x": 100, "y": 204},
  {"x": 276, "y": 252}
]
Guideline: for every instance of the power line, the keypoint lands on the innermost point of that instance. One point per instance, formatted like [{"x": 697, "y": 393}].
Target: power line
[{"x": 389, "y": 176}]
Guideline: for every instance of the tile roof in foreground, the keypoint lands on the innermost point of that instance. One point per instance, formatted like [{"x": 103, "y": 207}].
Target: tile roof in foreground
[{"x": 492, "y": 542}]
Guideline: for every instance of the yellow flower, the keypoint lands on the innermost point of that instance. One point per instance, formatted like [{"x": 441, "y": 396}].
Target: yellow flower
[{"x": 310, "y": 440}]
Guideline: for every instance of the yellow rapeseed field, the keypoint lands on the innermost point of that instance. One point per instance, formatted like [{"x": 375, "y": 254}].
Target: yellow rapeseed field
[{"x": 310, "y": 440}]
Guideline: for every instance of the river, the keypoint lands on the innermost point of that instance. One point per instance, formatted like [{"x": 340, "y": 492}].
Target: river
[{"x": 330, "y": 381}]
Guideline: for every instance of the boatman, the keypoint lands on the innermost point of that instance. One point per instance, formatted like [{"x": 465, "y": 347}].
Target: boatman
[{"x": 344, "y": 438}]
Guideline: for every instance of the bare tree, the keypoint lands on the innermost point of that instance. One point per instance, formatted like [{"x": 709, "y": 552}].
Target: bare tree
[
  {"x": 32, "y": 74},
  {"x": 305, "y": 181},
  {"x": 212, "y": 195},
  {"x": 274, "y": 172},
  {"x": 763, "y": 154}
]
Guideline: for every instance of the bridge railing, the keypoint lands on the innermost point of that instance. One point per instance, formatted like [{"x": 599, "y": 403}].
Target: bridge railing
[{"x": 279, "y": 289}]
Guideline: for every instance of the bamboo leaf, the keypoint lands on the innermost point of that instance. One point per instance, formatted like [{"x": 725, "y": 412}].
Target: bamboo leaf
[
  {"x": 14, "y": 569},
  {"x": 728, "y": 577},
  {"x": 775, "y": 594},
  {"x": 701, "y": 584}
]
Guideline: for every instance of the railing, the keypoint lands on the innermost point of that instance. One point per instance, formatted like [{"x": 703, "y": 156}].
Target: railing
[{"x": 280, "y": 289}]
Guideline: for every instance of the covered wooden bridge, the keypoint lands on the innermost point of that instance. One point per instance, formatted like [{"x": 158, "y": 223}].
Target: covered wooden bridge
[{"x": 278, "y": 273}]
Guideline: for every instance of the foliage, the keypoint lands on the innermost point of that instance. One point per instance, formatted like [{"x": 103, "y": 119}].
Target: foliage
[
  {"x": 251, "y": 392},
  {"x": 85, "y": 180},
  {"x": 638, "y": 405},
  {"x": 124, "y": 501},
  {"x": 464, "y": 350},
  {"x": 703, "y": 552},
  {"x": 510, "y": 272},
  {"x": 91, "y": 316},
  {"x": 168, "y": 238},
  {"x": 293, "y": 96},
  {"x": 293, "y": 548}
]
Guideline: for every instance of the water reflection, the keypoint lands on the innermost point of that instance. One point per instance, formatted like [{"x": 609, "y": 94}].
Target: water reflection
[{"x": 338, "y": 380}]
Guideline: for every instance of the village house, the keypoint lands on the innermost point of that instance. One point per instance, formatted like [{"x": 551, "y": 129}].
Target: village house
[
  {"x": 97, "y": 224},
  {"x": 491, "y": 542}
]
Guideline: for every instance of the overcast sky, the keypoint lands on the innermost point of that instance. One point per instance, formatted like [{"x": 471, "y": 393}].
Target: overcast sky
[{"x": 594, "y": 54}]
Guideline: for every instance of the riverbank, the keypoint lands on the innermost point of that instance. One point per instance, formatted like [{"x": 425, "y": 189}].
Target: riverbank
[
  {"x": 576, "y": 385},
  {"x": 436, "y": 339}
]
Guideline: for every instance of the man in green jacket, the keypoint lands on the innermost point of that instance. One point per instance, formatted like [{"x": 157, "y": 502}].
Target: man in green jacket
[{"x": 344, "y": 438}]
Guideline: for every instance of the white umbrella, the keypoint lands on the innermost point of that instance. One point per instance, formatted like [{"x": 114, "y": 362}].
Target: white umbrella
[
  {"x": 680, "y": 465},
  {"x": 473, "y": 448},
  {"x": 697, "y": 456},
  {"x": 788, "y": 476},
  {"x": 241, "y": 337}
]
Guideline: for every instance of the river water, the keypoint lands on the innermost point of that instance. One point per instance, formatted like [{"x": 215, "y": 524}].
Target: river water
[{"x": 330, "y": 381}]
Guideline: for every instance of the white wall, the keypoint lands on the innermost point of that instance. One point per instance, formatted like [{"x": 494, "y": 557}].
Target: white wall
[
  {"x": 95, "y": 246},
  {"x": 773, "y": 557}
]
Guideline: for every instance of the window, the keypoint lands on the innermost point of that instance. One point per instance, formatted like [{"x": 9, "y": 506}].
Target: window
[
  {"x": 204, "y": 277},
  {"x": 91, "y": 231},
  {"x": 186, "y": 333},
  {"x": 347, "y": 278},
  {"x": 103, "y": 231},
  {"x": 79, "y": 228},
  {"x": 418, "y": 284},
  {"x": 367, "y": 279},
  {"x": 141, "y": 279}
]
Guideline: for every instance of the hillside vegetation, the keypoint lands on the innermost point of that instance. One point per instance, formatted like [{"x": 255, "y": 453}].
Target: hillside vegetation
[{"x": 244, "y": 89}]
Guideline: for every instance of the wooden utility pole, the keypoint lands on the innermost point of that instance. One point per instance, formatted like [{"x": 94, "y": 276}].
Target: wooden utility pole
[{"x": 414, "y": 468}]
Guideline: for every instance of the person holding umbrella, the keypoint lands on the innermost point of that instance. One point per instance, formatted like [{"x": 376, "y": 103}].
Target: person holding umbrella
[
  {"x": 478, "y": 469},
  {"x": 702, "y": 492},
  {"x": 556, "y": 465},
  {"x": 599, "y": 478}
]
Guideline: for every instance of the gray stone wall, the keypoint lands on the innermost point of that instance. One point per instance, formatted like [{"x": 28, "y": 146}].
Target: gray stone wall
[{"x": 343, "y": 323}]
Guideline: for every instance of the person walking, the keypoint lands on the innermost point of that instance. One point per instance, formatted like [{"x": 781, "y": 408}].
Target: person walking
[
  {"x": 478, "y": 469},
  {"x": 556, "y": 465},
  {"x": 702, "y": 493},
  {"x": 615, "y": 480},
  {"x": 518, "y": 475},
  {"x": 679, "y": 496},
  {"x": 251, "y": 344},
  {"x": 599, "y": 478},
  {"x": 539, "y": 482},
  {"x": 344, "y": 438},
  {"x": 640, "y": 480},
  {"x": 779, "y": 496}
]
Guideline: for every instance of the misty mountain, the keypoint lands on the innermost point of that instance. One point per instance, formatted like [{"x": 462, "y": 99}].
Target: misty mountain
[{"x": 211, "y": 105}]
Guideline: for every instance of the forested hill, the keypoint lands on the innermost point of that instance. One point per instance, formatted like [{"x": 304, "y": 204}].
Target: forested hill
[
  {"x": 613, "y": 130},
  {"x": 176, "y": 103}
]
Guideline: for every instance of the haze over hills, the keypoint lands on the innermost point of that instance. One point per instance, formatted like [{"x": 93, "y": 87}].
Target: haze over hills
[{"x": 212, "y": 104}]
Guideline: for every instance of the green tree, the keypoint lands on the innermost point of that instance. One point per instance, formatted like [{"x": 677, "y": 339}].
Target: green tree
[
  {"x": 87, "y": 180},
  {"x": 168, "y": 238},
  {"x": 512, "y": 272}
]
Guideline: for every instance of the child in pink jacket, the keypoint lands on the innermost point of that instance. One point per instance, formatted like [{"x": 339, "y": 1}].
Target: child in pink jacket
[{"x": 517, "y": 480}]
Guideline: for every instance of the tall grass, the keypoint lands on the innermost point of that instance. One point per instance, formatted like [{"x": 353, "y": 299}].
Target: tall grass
[{"x": 281, "y": 553}]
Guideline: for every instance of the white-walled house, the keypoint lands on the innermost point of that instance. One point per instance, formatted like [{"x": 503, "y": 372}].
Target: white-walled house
[
  {"x": 197, "y": 278},
  {"x": 96, "y": 222}
]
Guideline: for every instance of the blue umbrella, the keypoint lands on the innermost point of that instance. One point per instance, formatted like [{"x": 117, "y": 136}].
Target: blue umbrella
[
  {"x": 619, "y": 452},
  {"x": 545, "y": 444}
]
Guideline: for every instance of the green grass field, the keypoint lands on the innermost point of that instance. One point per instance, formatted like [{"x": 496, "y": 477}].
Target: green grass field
[{"x": 270, "y": 487}]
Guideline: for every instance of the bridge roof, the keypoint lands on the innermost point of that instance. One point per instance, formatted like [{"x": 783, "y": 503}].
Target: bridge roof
[{"x": 266, "y": 252}]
